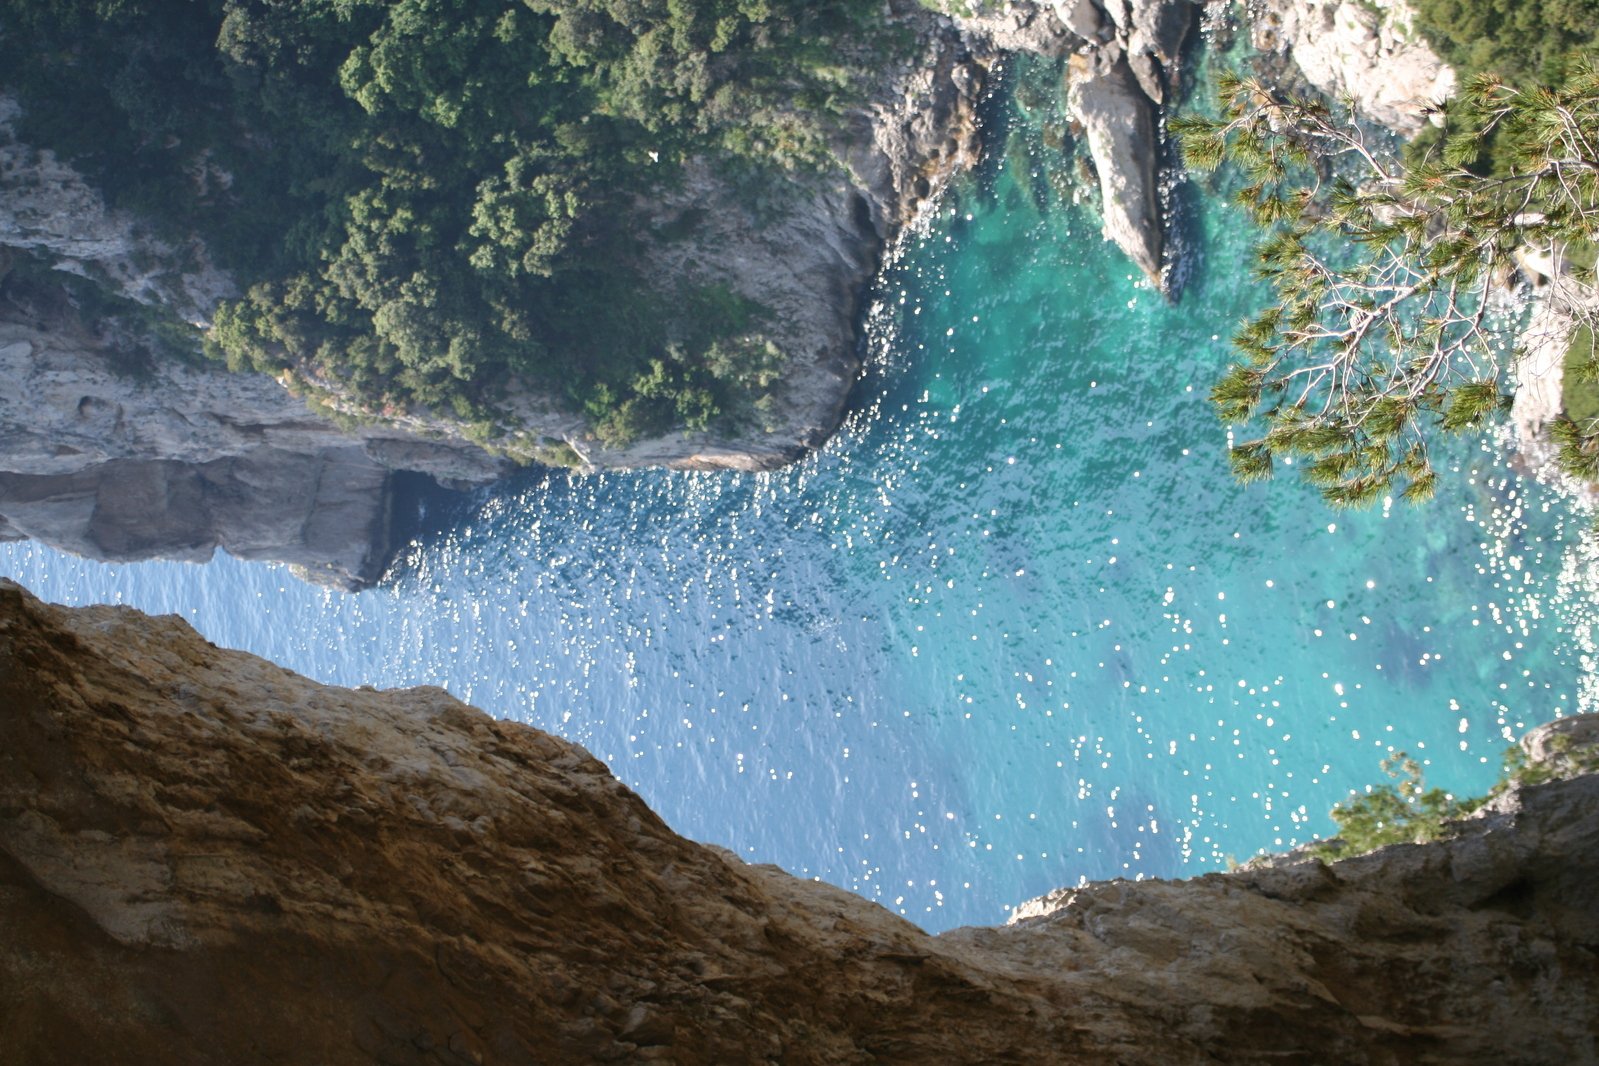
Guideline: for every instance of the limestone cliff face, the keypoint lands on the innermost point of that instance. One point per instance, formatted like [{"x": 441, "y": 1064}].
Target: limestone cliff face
[
  {"x": 205, "y": 858},
  {"x": 49, "y": 209},
  {"x": 119, "y": 455},
  {"x": 177, "y": 460}
]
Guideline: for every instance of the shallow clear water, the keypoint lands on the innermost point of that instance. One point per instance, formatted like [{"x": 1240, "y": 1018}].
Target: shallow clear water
[{"x": 1014, "y": 627}]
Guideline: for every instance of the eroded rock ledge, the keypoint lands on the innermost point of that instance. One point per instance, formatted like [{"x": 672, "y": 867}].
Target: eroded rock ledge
[
  {"x": 205, "y": 858},
  {"x": 184, "y": 459}
]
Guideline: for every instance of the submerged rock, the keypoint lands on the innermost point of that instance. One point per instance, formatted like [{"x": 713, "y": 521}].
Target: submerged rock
[{"x": 205, "y": 858}]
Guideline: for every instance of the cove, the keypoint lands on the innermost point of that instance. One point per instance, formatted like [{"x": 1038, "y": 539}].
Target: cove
[{"x": 1013, "y": 627}]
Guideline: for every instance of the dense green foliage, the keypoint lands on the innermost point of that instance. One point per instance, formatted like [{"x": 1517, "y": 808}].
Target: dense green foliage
[
  {"x": 1579, "y": 396},
  {"x": 1405, "y": 811},
  {"x": 1381, "y": 334},
  {"x": 428, "y": 198},
  {"x": 1525, "y": 42}
]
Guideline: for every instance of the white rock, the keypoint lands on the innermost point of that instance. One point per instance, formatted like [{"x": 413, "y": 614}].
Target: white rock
[{"x": 1377, "y": 59}]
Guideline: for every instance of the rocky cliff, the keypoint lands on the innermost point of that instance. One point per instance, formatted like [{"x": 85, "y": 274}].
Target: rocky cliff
[
  {"x": 110, "y": 450},
  {"x": 1367, "y": 52},
  {"x": 207, "y": 859},
  {"x": 173, "y": 459}
]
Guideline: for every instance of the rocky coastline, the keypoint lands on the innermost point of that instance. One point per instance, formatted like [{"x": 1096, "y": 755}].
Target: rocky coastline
[
  {"x": 177, "y": 459},
  {"x": 205, "y": 858},
  {"x": 182, "y": 457},
  {"x": 1368, "y": 53}
]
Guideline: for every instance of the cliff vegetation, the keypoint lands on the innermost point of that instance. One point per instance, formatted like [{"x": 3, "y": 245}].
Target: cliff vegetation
[
  {"x": 426, "y": 200},
  {"x": 1404, "y": 810},
  {"x": 1525, "y": 42}
]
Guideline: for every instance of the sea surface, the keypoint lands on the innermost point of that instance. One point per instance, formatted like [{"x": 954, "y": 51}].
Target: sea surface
[{"x": 1013, "y": 628}]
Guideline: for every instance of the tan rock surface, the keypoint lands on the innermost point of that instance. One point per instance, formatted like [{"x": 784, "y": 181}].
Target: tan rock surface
[{"x": 207, "y": 859}]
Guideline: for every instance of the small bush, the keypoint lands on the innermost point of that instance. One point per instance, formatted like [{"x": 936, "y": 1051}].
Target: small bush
[{"x": 1400, "y": 813}]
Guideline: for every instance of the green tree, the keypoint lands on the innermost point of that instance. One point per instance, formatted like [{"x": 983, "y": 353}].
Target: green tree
[
  {"x": 1522, "y": 41},
  {"x": 1384, "y": 274},
  {"x": 1405, "y": 812}
]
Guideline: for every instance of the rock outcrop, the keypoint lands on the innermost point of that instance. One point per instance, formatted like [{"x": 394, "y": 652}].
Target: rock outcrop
[
  {"x": 1120, "y": 124},
  {"x": 205, "y": 858},
  {"x": 1539, "y": 379},
  {"x": 1564, "y": 312},
  {"x": 1123, "y": 68},
  {"x": 173, "y": 460},
  {"x": 47, "y": 208},
  {"x": 1367, "y": 51}
]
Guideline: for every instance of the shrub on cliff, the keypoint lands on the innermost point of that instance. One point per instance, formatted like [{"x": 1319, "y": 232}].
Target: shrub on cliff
[
  {"x": 1523, "y": 42},
  {"x": 1405, "y": 811}
]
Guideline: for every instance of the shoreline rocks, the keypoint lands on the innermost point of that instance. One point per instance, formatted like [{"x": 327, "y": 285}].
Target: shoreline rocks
[
  {"x": 1367, "y": 51},
  {"x": 1123, "y": 66},
  {"x": 1122, "y": 139}
]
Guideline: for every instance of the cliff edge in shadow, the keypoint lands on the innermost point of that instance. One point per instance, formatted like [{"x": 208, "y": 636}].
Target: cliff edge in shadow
[{"x": 207, "y": 859}]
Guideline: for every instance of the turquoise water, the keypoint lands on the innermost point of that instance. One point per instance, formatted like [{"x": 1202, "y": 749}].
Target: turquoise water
[{"x": 1012, "y": 628}]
